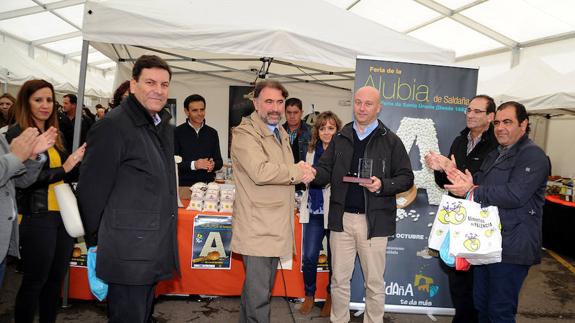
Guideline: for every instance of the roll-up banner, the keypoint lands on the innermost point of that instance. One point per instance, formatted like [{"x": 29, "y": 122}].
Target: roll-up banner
[{"x": 425, "y": 106}]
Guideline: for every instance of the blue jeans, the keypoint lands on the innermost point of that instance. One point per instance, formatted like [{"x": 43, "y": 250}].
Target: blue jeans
[
  {"x": 2, "y": 270},
  {"x": 313, "y": 233},
  {"x": 496, "y": 291}
]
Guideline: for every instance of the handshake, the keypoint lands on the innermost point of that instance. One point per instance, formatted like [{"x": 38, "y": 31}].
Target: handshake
[{"x": 308, "y": 172}]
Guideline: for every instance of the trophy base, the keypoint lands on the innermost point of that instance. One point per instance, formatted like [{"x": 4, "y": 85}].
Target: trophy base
[{"x": 359, "y": 180}]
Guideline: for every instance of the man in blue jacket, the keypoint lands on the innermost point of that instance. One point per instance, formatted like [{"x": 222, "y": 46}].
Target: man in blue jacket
[{"x": 513, "y": 178}]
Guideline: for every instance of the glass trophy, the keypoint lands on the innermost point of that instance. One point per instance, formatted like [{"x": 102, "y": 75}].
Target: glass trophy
[{"x": 364, "y": 172}]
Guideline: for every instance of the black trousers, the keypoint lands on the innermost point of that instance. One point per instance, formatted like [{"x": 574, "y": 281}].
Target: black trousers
[
  {"x": 46, "y": 248},
  {"x": 461, "y": 290},
  {"x": 130, "y": 303},
  {"x": 257, "y": 289}
]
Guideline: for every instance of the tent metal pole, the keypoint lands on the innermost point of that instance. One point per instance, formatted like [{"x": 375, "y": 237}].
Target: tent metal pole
[
  {"x": 515, "y": 56},
  {"x": 76, "y": 141},
  {"x": 81, "y": 88},
  {"x": 208, "y": 74},
  {"x": 197, "y": 60}
]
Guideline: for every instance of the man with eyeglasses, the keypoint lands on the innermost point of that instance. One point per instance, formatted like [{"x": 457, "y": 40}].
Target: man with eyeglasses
[{"x": 467, "y": 151}]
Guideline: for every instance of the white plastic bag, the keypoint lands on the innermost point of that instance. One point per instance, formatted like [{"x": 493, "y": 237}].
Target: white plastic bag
[
  {"x": 69, "y": 210},
  {"x": 474, "y": 232},
  {"x": 478, "y": 237},
  {"x": 447, "y": 211}
]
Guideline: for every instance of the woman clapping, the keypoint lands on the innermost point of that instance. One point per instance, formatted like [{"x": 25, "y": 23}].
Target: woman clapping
[{"x": 46, "y": 247}]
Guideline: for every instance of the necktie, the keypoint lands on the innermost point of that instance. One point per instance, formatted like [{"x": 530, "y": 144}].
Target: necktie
[{"x": 277, "y": 134}]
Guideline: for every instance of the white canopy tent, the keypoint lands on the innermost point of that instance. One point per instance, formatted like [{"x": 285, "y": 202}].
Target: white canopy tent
[
  {"x": 42, "y": 39},
  {"x": 17, "y": 66},
  {"x": 537, "y": 85},
  {"x": 481, "y": 33},
  {"x": 549, "y": 97},
  {"x": 248, "y": 36},
  {"x": 248, "y": 39}
]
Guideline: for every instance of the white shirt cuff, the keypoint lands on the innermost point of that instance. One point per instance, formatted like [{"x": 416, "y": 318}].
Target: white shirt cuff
[{"x": 193, "y": 165}]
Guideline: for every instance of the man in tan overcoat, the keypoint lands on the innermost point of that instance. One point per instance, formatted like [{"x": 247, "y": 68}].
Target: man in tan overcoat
[{"x": 264, "y": 173}]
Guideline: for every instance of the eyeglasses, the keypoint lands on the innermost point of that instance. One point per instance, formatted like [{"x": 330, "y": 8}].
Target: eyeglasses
[{"x": 476, "y": 111}]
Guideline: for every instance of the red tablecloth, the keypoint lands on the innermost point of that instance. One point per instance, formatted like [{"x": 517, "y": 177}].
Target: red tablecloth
[
  {"x": 210, "y": 281},
  {"x": 557, "y": 199}
]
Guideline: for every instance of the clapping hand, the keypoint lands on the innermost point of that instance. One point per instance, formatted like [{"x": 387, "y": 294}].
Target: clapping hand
[
  {"x": 439, "y": 162},
  {"x": 45, "y": 141},
  {"x": 23, "y": 145},
  {"x": 461, "y": 182},
  {"x": 75, "y": 158}
]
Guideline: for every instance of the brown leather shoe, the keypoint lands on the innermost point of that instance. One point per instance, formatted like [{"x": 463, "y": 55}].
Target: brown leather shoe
[
  {"x": 307, "y": 305},
  {"x": 326, "y": 309}
]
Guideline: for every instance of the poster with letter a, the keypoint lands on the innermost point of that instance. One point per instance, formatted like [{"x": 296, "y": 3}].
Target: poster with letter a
[
  {"x": 211, "y": 242},
  {"x": 425, "y": 106}
]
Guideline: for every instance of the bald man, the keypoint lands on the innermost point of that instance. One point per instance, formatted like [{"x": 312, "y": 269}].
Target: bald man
[{"x": 362, "y": 215}]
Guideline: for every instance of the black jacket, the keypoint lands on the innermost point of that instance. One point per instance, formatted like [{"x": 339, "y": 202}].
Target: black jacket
[
  {"x": 67, "y": 129},
  {"x": 391, "y": 165},
  {"x": 127, "y": 195},
  {"x": 192, "y": 146},
  {"x": 34, "y": 198},
  {"x": 473, "y": 161}
]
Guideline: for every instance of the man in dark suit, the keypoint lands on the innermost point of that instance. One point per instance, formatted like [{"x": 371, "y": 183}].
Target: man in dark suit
[
  {"x": 198, "y": 144},
  {"x": 127, "y": 194},
  {"x": 67, "y": 119}
]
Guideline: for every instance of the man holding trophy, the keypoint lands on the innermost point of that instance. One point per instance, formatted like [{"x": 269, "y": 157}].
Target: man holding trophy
[{"x": 366, "y": 164}]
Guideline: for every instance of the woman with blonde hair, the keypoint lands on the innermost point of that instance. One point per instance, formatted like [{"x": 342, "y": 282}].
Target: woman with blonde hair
[
  {"x": 314, "y": 210},
  {"x": 46, "y": 247}
]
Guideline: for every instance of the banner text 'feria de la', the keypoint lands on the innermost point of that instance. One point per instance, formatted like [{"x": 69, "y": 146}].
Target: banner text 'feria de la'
[{"x": 425, "y": 106}]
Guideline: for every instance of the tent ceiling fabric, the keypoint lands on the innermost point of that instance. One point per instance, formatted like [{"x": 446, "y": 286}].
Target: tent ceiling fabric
[
  {"x": 488, "y": 21},
  {"x": 238, "y": 69},
  {"x": 307, "y": 37},
  {"x": 55, "y": 25},
  {"x": 470, "y": 29}
]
